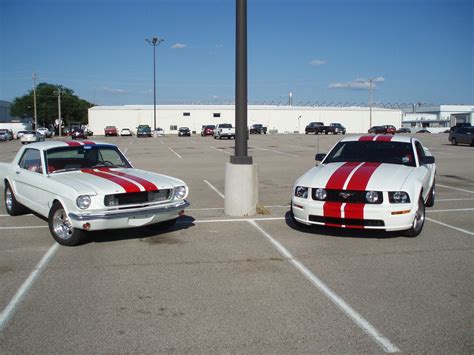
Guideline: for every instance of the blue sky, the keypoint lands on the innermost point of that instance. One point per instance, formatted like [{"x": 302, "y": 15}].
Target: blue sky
[{"x": 321, "y": 51}]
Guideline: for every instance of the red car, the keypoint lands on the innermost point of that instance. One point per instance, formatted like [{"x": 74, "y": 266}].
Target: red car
[
  {"x": 78, "y": 133},
  {"x": 111, "y": 131},
  {"x": 207, "y": 130}
]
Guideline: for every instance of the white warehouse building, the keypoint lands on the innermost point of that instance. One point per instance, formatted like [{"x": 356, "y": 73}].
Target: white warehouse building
[{"x": 278, "y": 119}]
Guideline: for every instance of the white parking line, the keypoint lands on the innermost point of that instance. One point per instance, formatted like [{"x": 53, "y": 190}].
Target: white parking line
[
  {"x": 179, "y": 156},
  {"x": 213, "y": 188},
  {"x": 386, "y": 344},
  {"x": 161, "y": 141},
  {"x": 455, "y": 188},
  {"x": 450, "y": 226},
  {"x": 22, "y": 227},
  {"x": 25, "y": 287},
  {"x": 276, "y": 151},
  {"x": 452, "y": 210},
  {"x": 453, "y": 199},
  {"x": 220, "y": 150},
  {"x": 305, "y": 148}
]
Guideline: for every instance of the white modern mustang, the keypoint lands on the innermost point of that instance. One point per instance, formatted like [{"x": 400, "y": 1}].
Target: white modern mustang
[
  {"x": 86, "y": 186},
  {"x": 371, "y": 182}
]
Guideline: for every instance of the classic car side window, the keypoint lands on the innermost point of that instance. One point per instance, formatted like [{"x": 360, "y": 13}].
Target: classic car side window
[{"x": 31, "y": 160}]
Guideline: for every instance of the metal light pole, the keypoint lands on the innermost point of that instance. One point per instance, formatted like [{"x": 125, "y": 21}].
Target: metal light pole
[
  {"x": 34, "y": 100},
  {"x": 370, "y": 101},
  {"x": 154, "y": 42},
  {"x": 59, "y": 111}
]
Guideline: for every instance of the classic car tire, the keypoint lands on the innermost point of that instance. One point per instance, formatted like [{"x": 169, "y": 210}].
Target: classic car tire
[
  {"x": 61, "y": 229},
  {"x": 13, "y": 207},
  {"x": 431, "y": 196},
  {"x": 418, "y": 222}
]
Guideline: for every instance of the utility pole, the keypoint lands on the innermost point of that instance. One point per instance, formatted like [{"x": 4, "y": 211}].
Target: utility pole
[
  {"x": 59, "y": 111},
  {"x": 34, "y": 100},
  {"x": 370, "y": 101}
]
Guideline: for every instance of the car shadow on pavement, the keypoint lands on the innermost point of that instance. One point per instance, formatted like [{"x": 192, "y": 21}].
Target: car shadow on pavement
[
  {"x": 156, "y": 231},
  {"x": 339, "y": 232}
]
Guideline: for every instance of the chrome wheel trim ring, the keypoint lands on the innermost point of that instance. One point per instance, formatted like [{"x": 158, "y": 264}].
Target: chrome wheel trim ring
[
  {"x": 419, "y": 217},
  {"x": 61, "y": 225},
  {"x": 9, "y": 199}
]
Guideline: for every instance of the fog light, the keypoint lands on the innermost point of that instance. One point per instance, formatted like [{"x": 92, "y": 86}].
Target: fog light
[{"x": 86, "y": 226}]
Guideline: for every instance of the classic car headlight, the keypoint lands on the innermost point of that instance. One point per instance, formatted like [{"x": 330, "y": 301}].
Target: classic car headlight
[
  {"x": 372, "y": 196},
  {"x": 301, "y": 192},
  {"x": 180, "y": 192},
  {"x": 83, "y": 202},
  {"x": 320, "y": 194},
  {"x": 398, "y": 197}
]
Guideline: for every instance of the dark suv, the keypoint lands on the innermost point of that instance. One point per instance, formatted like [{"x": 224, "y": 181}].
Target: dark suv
[{"x": 184, "y": 131}]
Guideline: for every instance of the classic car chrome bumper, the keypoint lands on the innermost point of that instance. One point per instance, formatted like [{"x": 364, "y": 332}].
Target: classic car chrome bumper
[{"x": 129, "y": 213}]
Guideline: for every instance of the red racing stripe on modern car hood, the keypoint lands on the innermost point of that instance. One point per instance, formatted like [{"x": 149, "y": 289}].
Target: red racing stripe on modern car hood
[
  {"x": 383, "y": 138},
  {"x": 149, "y": 186},
  {"x": 125, "y": 184},
  {"x": 73, "y": 144},
  {"x": 336, "y": 182}
]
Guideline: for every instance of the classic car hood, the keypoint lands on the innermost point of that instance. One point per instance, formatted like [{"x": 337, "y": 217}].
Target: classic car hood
[
  {"x": 107, "y": 181},
  {"x": 381, "y": 177}
]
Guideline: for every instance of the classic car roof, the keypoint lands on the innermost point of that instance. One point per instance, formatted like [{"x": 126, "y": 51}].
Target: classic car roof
[
  {"x": 56, "y": 144},
  {"x": 393, "y": 138}
]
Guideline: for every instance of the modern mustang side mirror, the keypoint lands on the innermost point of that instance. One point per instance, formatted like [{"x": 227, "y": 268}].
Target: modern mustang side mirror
[
  {"x": 428, "y": 160},
  {"x": 320, "y": 156}
]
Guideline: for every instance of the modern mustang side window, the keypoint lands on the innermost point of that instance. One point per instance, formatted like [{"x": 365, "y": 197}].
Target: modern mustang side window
[{"x": 31, "y": 160}]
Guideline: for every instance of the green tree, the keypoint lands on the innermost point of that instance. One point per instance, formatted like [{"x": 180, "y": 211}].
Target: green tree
[{"x": 73, "y": 108}]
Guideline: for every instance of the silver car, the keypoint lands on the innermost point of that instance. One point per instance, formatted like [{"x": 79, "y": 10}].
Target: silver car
[
  {"x": 5, "y": 135},
  {"x": 31, "y": 137}
]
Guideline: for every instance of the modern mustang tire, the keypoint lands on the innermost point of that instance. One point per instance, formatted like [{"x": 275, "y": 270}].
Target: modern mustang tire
[
  {"x": 431, "y": 197},
  {"x": 61, "y": 229},
  {"x": 13, "y": 207},
  {"x": 418, "y": 221}
]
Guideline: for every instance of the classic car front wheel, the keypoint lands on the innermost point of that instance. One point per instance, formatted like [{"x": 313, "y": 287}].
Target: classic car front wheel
[
  {"x": 61, "y": 228},
  {"x": 13, "y": 207},
  {"x": 418, "y": 221}
]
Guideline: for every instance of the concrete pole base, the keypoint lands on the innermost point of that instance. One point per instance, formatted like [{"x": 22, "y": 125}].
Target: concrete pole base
[{"x": 241, "y": 189}]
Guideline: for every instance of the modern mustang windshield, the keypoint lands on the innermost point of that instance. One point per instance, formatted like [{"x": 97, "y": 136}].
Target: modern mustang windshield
[
  {"x": 84, "y": 157},
  {"x": 370, "y": 151}
]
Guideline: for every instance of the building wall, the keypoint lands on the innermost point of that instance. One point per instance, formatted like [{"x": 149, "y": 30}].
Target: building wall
[
  {"x": 4, "y": 111},
  {"x": 282, "y": 119}
]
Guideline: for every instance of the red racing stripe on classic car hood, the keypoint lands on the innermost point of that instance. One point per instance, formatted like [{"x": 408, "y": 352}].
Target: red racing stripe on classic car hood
[
  {"x": 336, "y": 182},
  {"x": 125, "y": 184},
  {"x": 359, "y": 182},
  {"x": 149, "y": 186}
]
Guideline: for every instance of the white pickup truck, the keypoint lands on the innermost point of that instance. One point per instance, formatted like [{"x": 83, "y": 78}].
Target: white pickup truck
[{"x": 224, "y": 130}]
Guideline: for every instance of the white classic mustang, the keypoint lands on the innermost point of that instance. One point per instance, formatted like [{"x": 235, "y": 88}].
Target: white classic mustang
[
  {"x": 370, "y": 181},
  {"x": 86, "y": 186}
]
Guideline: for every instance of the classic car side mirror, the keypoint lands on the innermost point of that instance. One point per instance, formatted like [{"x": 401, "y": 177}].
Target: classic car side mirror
[
  {"x": 428, "y": 160},
  {"x": 320, "y": 156}
]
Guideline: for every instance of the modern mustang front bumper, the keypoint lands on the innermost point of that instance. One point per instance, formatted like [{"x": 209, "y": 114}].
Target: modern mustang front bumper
[
  {"x": 127, "y": 218},
  {"x": 389, "y": 217}
]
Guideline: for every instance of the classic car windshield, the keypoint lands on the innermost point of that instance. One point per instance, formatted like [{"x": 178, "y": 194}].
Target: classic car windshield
[
  {"x": 84, "y": 157},
  {"x": 370, "y": 151}
]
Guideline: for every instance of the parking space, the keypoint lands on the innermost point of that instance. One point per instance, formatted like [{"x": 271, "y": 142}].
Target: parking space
[{"x": 257, "y": 284}]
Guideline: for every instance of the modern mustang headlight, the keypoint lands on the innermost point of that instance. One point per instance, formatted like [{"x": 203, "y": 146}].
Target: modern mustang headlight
[
  {"x": 320, "y": 194},
  {"x": 180, "y": 192},
  {"x": 372, "y": 196},
  {"x": 301, "y": 192},
  {"x": 398, "y": 197},
  {"x": 83, "y": 202}
]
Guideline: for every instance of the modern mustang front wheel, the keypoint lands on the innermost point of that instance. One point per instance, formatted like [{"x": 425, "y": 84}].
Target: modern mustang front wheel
[
  {"x": 418, "y": 221},
  {"x": 61, "y": 228}
]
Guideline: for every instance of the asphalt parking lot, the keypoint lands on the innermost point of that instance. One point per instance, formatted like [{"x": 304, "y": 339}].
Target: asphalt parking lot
[{"x": 216, "y": 284}]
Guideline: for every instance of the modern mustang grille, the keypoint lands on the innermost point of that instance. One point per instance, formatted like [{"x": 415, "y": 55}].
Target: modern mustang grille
[
  {"x": 348, "y": 196},
  {"x": 348, "y": 221},
  {"x": 134, "y": 198}
]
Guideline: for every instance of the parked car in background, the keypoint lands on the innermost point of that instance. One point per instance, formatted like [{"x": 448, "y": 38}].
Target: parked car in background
[
  {"x": 375, "y": 130},
  {"x": 19, "y": 134},
  {"x": 110, "y": 131},
  {"x": 143, "y": 130},
  {"x": 423, "y": 131},
  {"x": 257, "y": 128},
  {"x": 184, "y": 132},
  {"x": 404, "y": 130},
  {"x": 88, "y": 186},
  {"x": 78, "y": 133},
  {"x": 459, "y": 125},
  {"x": 45, "y": 132},
  {"x": 337, "y": 128},
  {"x": 5, "y": 135},
  {"x": 159, "y": 131},
  {"x": 125, "y": 132},
  {"x": 207, "y": 130},
  {"x": 314, "y": 127},
  {"x": 31, "y": 137},
  {"x": 224, "y": 130},
  {"x": 368, "y": 182},
  {"x": 463, "y": 135},
  {"x": 385, "y": 129}
]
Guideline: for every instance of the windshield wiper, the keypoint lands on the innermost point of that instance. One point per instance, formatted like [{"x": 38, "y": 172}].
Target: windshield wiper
[
  {"x": 64, "y": 170},
  {"x": 101, "y": 165}
]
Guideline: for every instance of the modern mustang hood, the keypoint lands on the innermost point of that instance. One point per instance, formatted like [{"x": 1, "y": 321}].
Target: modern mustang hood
[
  {"x": 107, "y": 181},
  {"x": 381, "y": 177}
]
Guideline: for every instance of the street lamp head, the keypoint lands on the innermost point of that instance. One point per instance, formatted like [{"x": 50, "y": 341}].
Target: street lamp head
[{"x": 154, "y": 41}]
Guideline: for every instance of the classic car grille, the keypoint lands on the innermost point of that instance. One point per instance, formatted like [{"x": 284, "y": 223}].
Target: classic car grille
[
  {"x": 348, "y": 221},
  {"x": 352, "y": 196},
  {"x": 135, "y": 198}
]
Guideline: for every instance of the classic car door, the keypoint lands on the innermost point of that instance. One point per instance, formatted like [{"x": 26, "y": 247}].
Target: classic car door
[{"x": 31, "y": 183}]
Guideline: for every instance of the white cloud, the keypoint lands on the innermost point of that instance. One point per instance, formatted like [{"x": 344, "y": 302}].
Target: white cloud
[
  {"x": 317, "y": 62},
  {"x": 178, "y": 46},
  {"x": 114, "y": 91},
  {"x": 357, "y": 84}
]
